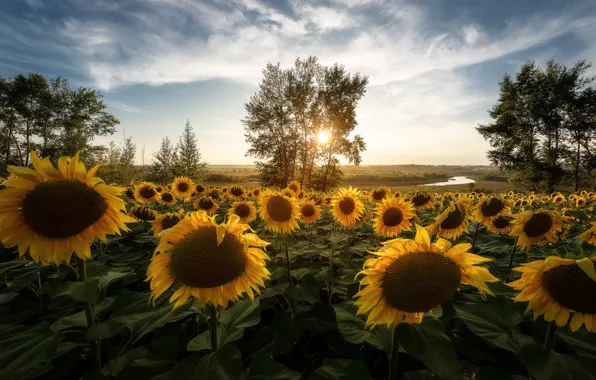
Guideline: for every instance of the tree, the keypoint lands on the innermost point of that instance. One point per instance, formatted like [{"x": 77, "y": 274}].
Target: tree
[
  {"x": 162, "y": 169},
  {"x": 118, "y": 164},
  {"x": 291, "y": 107},
  {"x": 187, "y": 162},
  {"x": 539, "y": 115}
]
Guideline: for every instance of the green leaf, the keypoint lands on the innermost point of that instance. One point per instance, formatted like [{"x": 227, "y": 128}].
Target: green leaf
[
  {"x": 341, "y": 369},
  {"x": 582, "y": 341},
  {"x": 225, "y": 364},
  {"x": 492, "y": 372},
  {"x": 381, "y": 337},
  {"x": 115, "y": 366},
  {"x": 79, "y": 291},
  {"x": 243, "y": 314},
  {"x": 25, "y": 349},
  {"x": 350, "y": 326},
  {"x": 543, "y": 364},
  {"x": 7, "y": 297},
  {"x": 264, "y": 368},
  {"x": 428, "y": 343},
  {"x": 79, "y": 319},
  {"x": 224, "y": 336},
  {"x": 287, "y": 330},
  {"x": 491, "y": 322}
]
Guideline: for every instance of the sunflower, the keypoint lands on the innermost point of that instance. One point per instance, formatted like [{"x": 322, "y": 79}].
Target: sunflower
[
  {"x": 164, "y": 221},
  {"x": 590, "y": 234},
  {"x": 54, "y": 213},
  {"x": 453, "y": 221},
  {"x": 214, "y": 263},
  {"x": 279, "y": 212},
  {"x": 215, "y": 194},
  {"x": 142, "y": 213},
  {"x": 421, "y": 200},
  {"x": 130, "y": 193},
  {"x": 346, "y": 206},
  {"x": 182, "y": 187},
  {"x": 580, "y": 202},
  {"x": 489, "y": 209},
  {"x": 377, "y": 195},
  {"x": 301, "y": 195},
  {"x": 536, "y": 228},
  {"x": 237, "y": 192},
  {"x": 319, "y": 199},
  {"x": 158, "y": 188},
  {"x": 560, "y": 288},
  {"x": 294, "y": 186},
  {"x": 145, "y": 192},
  {"x": 412, "y": 277},
  {"x": 288, "y": 193},
  {"x": 500, "y": 225},
  {"x": 256, "y": 192},
  {"x": 206, "y": 204},
  {"x": 393, "y": 215},
  {"x": 246, "y": 211},
  {"x": 397, "y": 194},
  {"x": 224, "y": 190},
  {"x": 199, "y": 189},
  {"x": 166, "y": 198},
  {"x": 309, "y": 212}
]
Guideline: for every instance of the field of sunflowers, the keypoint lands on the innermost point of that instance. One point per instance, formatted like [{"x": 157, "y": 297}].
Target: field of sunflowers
[{"x": 185, "y": 281}]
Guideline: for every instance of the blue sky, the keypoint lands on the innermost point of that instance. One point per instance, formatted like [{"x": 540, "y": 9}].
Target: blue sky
[{"x": 433, "y": 65}]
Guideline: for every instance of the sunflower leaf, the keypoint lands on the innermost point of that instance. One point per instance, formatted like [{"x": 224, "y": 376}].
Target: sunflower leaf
[
  {"x": 549, "y": 365},
  {"x": 350, "y": 326},
  {"x": 341, "y": 369}
]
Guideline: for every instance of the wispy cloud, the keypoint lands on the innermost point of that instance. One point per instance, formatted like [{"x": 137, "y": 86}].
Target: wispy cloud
[{"x": 125, "y": 107}]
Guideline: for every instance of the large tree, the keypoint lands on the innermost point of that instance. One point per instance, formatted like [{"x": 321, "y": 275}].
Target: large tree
[
  {"x": 540, "y": 115},
  {"x": 291, "y": 107},
  {"x": 162, "y": 168},
  {"x": 187, "y": 161}
]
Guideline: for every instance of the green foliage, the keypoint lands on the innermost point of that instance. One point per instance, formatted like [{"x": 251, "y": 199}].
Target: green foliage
[{"x": 187, "y": 159}]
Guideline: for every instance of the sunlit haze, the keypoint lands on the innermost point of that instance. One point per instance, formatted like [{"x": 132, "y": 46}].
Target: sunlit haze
[{"x": 433, "y": 65}]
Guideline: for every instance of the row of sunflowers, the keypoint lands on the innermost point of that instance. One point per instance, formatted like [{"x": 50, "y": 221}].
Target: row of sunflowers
[{"x": 289, "y": 283}]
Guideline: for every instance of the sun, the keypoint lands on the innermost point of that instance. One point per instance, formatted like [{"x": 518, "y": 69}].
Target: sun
[{"x": 323, "y": 137}]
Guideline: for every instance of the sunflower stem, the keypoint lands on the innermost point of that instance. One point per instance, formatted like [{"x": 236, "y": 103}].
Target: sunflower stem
[
  {"x": 474, "y": 237},
  {"x": 213, "y": 327},
  {"x": 288, "y": 265},
  {"x": 512, "y": 254},
  {"x": 551, "y": 332},
  {"x": 331, "y": 255},
  {"x": 394, "y": 356},
  {"x": 40, "y": 293},
  {"x": 93, "y": 344}
]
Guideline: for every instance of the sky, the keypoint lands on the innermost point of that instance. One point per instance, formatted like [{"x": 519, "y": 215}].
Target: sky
[{"x": 433, "y": 65}]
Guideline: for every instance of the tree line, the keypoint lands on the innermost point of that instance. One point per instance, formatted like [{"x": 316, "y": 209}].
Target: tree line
[
  {"x": 288, "y": 112},
  {"x": 543, "y": 128}
]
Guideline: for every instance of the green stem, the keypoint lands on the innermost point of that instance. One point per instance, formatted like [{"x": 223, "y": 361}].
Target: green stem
[
  {"x": 40, "y": 294},
  {"x": 289, "y": 267},
  {"x": 474, "y": 237},
  {"x": 512, "y": 254},
  {"x": 93, "y": 344},
  {"x": 331, "y": 268},
  {"x": 393, "y": 373},
  {"x": 213, "y": 327},
  {"x": 551, "y": 332}
]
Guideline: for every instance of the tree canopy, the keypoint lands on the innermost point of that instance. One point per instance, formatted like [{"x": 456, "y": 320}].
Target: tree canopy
[
  {"x": 543, "y": 129},
  {"x": 287, "y": 113}
]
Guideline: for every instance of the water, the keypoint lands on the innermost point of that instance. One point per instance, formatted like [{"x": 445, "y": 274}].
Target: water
[{"x": 461, "y": 180}]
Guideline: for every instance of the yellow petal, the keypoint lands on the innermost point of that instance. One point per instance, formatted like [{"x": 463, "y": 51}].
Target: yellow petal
[
  {"x": 576, "y": 321},
  {"x": 587, "y": 265},
  {"x": 562, "y": 317},
  {"x": 422, "y": 236},
  {"x": 221, "y": 233}
]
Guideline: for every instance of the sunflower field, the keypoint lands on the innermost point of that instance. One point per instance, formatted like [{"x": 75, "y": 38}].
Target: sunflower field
[{"x": 188, "y": 281}]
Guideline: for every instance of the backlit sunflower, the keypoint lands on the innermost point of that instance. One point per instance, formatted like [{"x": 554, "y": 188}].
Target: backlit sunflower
[
  {"x": 346, "y": 206},
  {"x": 500, "y": 225},
  {"x": 590, "y": 234},
  {"x": 145, "y": 193},
  {"x": 54, "y": 213},
  {"x": 294, "y": 186},
  {"x": 206, "y": 204},
  {"x": 377, "y": 195},
  {"x": 580, "y": 202},
  {"x": 279, "y": 212},
  {"x": 453, "y": 221},
  {"x": 130, "y": 193},
  {"x": 237, "y": 192},
  {"x": 166, "y": 198},
  {"x": 393, "y": 216},
  {"x": 560, "y": 288},
  {"x": 536, "y": 227},
  {"x": 288, "y": 193},
  {"x": 214, "y": 263},
  {"x": 421, "y": 200},
  {"x": 246, "y": 211},
  {"x": 199, "y": 189},
  {"x": 309, "y": 212},
  {"x": 489, "y": 209},
  {"x": 412, "y": 277},
  {"x": 164, "y": 221},
  {"x": 182, "y": 187},
  {"x": 142, "y": 213}
]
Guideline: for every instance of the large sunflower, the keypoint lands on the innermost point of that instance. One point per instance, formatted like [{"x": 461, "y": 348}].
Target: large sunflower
[
  {"x": 246, "y": 211},
  {"x": 500, "y": 225},
  {"x": 145, "y": 192},
  {"x": 346, "y": 206},
  {"x": 294, "y": 186},
  {"x": 309, "y": 212},
  {"x": 142, "y": 213},
  {"x": 560, "y": 288},
  {"x": 393, "y": 215},
  {"x": 206, "y": 204},
  {"x": 453, "y": 221},
  {"x": 166, "y": 198},
  {"x": 489, "y": 209},
  {"x": 237, "y": 192},
  {"x": 215, "y": 263},
  {"x": 377, "y": 195},
  {"x": 279, "y": 212},
  {"x": 182, "y": 187},
  {"x": 536, "y": 227},
  {"x": 421, "y": 200},
  {"x": 410, "y": 278},
  {"x": 54, "y": 213},
  {"x": 164, "y": 221}
]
